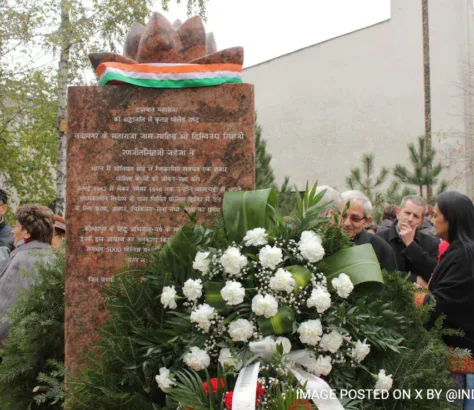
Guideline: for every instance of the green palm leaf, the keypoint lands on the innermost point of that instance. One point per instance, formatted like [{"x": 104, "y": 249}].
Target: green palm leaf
[
  {"x": 360, "y": 264},
  {"x": 248, "y": 210}
]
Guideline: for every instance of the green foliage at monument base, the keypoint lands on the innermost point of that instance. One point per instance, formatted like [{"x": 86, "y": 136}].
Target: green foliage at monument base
[{"x": 34, "y": 347}]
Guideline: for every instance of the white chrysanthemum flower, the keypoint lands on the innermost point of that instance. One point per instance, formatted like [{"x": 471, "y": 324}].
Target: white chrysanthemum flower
[
  {"x": 270, "y": 257},
  {"x": 320, "y": 367},
  {"x": 343, "y": 285},
  {"x": 233, "y": 261},
  {"x": 226, "y": 358},
  {"x": 310, "y": 332},
  {"x": 233, "y": 293},
  {"x": 202, "y": 316},
  {"x": 384, "y": 382},
  {"x": 265, "y": 305},
  {"x": 197, "y": 359},
  {"x": 320, "y": 299},
  {"x": 202, "y": 262},
  {"x": 331, "y": 342},
  {"x": 286, "y": 344},
  {"x": 256, "y": 237},
  {"x": 310, "y": 236},
  {"x": 168, "y": 297},
  {"x": 192, "y": 289},
  {"x": 282, "y": 281},
  {"x": 241, "y": 330},
  {"x": 360, "y": 351},
  {"x": 310, "y": 246},
  {"x": 164, "y": 381}
]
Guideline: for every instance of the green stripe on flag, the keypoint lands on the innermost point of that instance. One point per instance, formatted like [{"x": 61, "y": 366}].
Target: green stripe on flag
[{"x": 186, "y": 83}]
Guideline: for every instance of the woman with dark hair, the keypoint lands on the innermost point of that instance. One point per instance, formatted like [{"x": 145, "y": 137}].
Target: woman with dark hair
[
  {"x": 33, "y": 233},
  {"x": 452, "y": 282}
]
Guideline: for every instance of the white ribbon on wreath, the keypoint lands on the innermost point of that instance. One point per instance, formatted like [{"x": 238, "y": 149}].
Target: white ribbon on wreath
[{"x": 316, "y": 388}]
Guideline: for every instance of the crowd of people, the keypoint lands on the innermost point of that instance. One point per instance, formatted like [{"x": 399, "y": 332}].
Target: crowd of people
[
  {"x": 22, "y": 246},
  {"x": 433, "y": 248}
]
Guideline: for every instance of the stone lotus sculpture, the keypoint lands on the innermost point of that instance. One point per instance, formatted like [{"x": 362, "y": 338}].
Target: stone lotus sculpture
[{"x": 163, "y": 42}]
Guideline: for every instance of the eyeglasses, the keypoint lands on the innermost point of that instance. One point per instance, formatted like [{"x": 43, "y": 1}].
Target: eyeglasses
[{"x": 354, "y": 218}]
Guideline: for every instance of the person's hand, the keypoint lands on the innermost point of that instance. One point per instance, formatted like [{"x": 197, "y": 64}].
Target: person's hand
[
  {"x": 421, "y": 282},
  {"x": 407, "y": 233}
]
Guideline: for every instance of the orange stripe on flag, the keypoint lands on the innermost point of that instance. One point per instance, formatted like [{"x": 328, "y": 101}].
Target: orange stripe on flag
[{"x": 145, "y": 68}]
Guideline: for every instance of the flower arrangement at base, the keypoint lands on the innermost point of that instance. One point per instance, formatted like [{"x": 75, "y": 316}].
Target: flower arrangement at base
[{"x": 265, "y": 312}]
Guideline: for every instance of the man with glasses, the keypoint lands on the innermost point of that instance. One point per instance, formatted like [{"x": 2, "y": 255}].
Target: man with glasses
[
  {"x": 415, "y": 251},
  {"x": 6, "y": 234},
  {"x": 354, "y": 221}
]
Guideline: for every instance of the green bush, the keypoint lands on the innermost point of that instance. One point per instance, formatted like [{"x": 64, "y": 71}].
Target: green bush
[{"x": 34, "y": 347}]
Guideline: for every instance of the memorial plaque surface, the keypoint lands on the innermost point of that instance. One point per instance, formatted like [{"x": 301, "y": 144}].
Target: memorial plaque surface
[{"x": 134, "y": 156}]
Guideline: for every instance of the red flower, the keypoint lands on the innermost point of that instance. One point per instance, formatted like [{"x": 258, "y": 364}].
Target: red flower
[
  {"x": 214, "y": 385},
  {"x": 228, "y": 400},
  {"x": 230, "y": 395}
]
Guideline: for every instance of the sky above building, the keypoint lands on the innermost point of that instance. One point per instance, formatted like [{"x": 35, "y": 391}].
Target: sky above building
[{"x": 271, "y": 28}]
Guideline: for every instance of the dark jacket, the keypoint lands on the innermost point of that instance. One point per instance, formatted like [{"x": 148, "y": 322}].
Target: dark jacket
[
  {"x": 6, "y": 238},
  {"x": 386, "y": 224},
  {"x": 452, "y": 287},
  {"x": 419, "y": 258},
  {"x": 382, "y": 250},
  {"x": 427, "y": 227},
  {"x": 22, "y": 259}
]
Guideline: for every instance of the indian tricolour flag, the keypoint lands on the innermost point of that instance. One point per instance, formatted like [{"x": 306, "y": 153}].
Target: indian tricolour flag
[{"x": 169, "y": 75}]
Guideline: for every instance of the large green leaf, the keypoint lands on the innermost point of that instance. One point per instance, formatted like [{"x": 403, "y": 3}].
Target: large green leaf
[
  {"x": 282, "y": 323},
  {"x": 301, "y": 274},
  {"x": 213, "y": 295},
  {"x": 248, "y": 210},
  {"x": 360, "y": 263}
]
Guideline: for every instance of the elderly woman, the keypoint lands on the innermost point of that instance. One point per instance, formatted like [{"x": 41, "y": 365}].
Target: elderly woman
[
  {"x": 33, "y": 233},
  {"x": 354, "y": 221}
]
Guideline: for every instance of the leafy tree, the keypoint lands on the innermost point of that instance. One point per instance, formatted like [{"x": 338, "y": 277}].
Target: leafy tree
[
  {"x": 425, "y": 172},
  {"x": 55, "y": 37},
  {"x": 27, "y": 138}
]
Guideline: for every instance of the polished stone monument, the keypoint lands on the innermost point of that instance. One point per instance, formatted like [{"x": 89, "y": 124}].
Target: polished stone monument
[{"x": 136, "y": 156}]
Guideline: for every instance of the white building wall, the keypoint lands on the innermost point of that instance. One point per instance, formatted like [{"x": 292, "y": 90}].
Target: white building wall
[
  {"x": 451, "y": 24},
  {"x": 322, "y": 107}
]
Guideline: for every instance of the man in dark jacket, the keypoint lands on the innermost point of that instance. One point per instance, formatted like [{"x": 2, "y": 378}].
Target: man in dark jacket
[
  {"x": 354, "y": 221},
  {"x": 416, "y": 252},
  {"x": 6, "y": 234}
]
